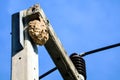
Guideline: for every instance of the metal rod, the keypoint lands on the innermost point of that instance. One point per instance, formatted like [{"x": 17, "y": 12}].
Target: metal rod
[
  {"x": 84, "y": 54},
  {"x": 50, "y": 71}
]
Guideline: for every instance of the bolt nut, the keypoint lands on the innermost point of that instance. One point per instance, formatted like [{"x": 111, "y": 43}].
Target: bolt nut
[{"x": 38, "y": 31}]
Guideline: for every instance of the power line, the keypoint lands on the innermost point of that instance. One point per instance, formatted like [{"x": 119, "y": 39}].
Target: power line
[
  {"x": 100, "y": 49},
  {"x": 84, "y": 54},
  {"x": 50, "y": 71}
]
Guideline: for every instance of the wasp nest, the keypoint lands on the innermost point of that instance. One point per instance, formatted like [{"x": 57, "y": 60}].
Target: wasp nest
[{"x": 38, "y": 31}]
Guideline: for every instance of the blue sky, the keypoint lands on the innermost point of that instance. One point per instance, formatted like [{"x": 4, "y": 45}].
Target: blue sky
[{"x": 81, "y": 25}]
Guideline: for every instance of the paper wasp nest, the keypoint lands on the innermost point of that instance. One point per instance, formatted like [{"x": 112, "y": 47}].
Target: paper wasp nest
[{"x": 38, "y": 31}]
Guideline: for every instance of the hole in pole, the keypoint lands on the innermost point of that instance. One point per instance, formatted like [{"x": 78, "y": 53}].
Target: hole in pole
[
  {"x": 34, "y": 68},
  {"x": 19, "y": 58}
]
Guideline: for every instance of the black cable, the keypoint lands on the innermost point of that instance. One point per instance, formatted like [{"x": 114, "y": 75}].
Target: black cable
[
  {"x": 82, "y": 55},
  {"x": 50, "y": 71},
  {"x": 99, "y": 49}
]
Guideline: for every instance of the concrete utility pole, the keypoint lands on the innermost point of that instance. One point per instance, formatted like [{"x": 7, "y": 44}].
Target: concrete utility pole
[
  {"x": 24, "y": 51},
  {"x": 31, "y": 28},
  {"x": 26, "y": 23}
]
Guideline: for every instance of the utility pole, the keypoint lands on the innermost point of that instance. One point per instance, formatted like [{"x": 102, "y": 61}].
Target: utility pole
[
  {"x": 24, "y": 50},
  {"x": 31, "y": 28}
]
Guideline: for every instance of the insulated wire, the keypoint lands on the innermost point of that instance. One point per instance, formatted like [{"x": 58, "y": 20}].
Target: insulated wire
[{"x": 82, "y": 55}]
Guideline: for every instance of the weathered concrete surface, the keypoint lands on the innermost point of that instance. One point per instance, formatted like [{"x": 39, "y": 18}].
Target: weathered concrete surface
[
  {"x": 25, "y": 61},
  {"x": 24, "y": 51}
]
